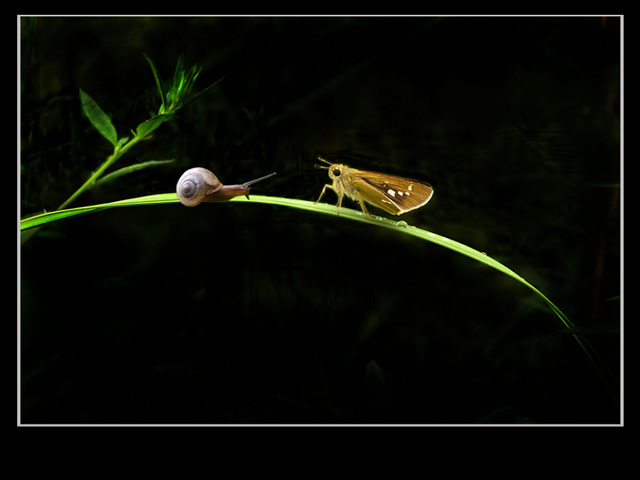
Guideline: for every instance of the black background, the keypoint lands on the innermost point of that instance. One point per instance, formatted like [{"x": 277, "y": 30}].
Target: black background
[{"x": 239, "y": 313}]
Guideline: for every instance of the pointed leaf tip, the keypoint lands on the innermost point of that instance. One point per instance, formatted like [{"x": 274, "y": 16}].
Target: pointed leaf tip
[{"x": 98, "y": 118}]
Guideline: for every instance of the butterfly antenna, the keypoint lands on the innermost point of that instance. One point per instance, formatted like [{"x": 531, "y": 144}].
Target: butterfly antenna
[{"x": 322, "y": 160}]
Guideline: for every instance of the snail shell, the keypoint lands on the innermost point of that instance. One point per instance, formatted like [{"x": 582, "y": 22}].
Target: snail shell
[{"x": 195, "y": 184}]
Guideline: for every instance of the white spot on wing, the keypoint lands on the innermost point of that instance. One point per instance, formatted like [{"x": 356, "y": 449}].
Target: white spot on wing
[{"x": 391, "y": 192}]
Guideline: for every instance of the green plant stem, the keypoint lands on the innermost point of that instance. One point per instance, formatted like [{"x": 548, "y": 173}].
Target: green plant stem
[{"x": 118, "y": 152}]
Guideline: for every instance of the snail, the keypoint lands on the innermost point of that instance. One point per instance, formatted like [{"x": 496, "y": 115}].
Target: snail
[{"x": 198, "y": 185}]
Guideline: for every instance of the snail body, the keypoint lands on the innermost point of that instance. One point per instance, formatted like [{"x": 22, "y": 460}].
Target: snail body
[{"x": 198, "y": 185}]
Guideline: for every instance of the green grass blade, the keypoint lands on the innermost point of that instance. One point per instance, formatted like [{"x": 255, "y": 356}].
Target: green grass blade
[
  {"x": 48, "y": 217},
  {"x": 323, "y": 208},
  {"x": 353, "y": 215}
]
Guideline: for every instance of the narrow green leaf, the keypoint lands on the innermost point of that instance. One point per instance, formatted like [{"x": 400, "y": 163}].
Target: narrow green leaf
[
  {"x": 98, "y": 118},
  {"x": 148, "y": 126},
  {"x": 158, "y": 83},
  {"x": 178, "y": 75},
  {"x": 122, "y": 141},
  {"x": 199, "y": 94},
  {"x": 131, "y": 168}
]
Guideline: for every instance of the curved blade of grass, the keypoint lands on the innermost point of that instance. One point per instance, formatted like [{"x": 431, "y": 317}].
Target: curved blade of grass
[
  {"x": 54, "y": 216},
  {"x": 358, "y": 216},
  {"x": 345, "y": 213}
]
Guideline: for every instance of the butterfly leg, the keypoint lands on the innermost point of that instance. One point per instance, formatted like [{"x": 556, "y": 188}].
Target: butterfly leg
[
  {"x": 324, "y": 189},
  {"x": 364, "y": 209},
  {"x": 340, "y": 195}
]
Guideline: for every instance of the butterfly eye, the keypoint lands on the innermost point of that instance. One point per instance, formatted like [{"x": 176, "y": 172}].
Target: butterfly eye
[{"x": 337, "y": 172}]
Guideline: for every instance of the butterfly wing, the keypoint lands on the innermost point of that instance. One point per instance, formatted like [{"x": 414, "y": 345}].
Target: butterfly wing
[{"x": 395, "y": 195}]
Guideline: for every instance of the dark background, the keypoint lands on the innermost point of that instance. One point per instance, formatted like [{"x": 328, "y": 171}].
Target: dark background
[{"x": 238, "y": 313}]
